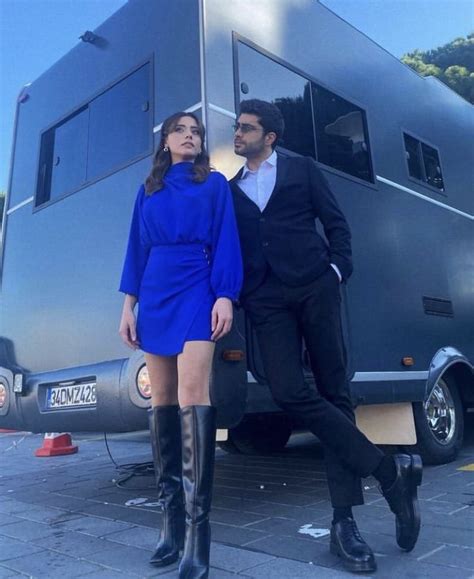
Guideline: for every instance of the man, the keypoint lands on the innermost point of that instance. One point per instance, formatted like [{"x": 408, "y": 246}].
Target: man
[{"x": 291, "y": 291}]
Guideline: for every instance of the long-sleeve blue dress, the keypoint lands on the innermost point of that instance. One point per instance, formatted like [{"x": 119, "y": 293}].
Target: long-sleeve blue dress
[{"x": 183, "y": 253}]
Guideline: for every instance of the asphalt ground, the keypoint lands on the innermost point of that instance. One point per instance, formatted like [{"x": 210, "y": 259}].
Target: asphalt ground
[{"x": 81, "y": 516}]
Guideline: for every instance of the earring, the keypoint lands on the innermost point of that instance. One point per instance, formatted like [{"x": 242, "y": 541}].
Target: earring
[{"x": 165, "y": 148}]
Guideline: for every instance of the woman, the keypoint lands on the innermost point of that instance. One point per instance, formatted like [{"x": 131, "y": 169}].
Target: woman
[{"x": 183, "y": 267}]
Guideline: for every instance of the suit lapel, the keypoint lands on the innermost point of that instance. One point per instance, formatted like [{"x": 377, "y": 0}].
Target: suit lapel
[
  {"x": 238, "y": 191},
  {"x": 237, "y": 176}
]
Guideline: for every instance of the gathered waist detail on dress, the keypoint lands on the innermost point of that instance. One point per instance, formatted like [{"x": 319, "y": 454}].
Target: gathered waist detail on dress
[{"x": 180, "y": 247}]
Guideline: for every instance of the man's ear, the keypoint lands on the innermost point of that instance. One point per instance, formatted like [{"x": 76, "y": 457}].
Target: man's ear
[{"x": 270, "y": 138}]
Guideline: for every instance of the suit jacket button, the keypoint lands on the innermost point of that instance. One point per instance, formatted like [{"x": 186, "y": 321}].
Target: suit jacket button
[
  {"x": 262, "y": 219},
  {"x": 265, "y": 244}
]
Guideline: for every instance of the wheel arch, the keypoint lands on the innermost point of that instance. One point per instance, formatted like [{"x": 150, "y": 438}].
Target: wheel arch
[{"x": 450, "y": 363}]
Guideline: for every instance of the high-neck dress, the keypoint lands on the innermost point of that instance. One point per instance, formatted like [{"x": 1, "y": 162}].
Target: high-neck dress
[{"x": 183, "y": 253}]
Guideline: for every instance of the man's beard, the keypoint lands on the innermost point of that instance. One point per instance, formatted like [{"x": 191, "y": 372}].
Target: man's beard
[{"x": 251, "y": 150}]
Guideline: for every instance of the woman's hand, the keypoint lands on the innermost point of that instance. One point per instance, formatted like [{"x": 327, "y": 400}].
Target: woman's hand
[
  {"x": 128, "y": 324},
  {"x": 221, "y": 318}
]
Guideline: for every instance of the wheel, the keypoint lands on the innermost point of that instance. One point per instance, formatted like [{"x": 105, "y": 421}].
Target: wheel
[
  {"x": 439, "y": 423},
  {"x": 259, "y": 434}
]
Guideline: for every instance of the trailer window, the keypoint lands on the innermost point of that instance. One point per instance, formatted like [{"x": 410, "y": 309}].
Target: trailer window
[
  {"x": 318, "y": 123},
  {"x": 261, "y": 77},
  {"x": 423, "y": 162},
  {"x": 412, "y": 149},
  {"x": 432, "y": 166},
  {"x": 111, "y": 130},
  {"x": 63, "y": 157},
  {"x": 119, "y": 124},
  {"x": 341, "y": 134}
]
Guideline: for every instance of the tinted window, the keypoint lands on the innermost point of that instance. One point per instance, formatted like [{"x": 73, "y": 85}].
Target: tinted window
[
  {"x": 45, "y": 168},
  {"x": 111, "y": 130},
  {"x": 69, "y": 160},
  {"x": 119, "y": 124},
  {"x": 63, "y": 157},
  {"x": 412, "y": 149},
  {"x": 432, "y": 166},
  {"x": 262, "y": 78},
  {"x": 318, "y": 123},
  {"x": 423, "y": 162},
  {"x": 341, "y": 134}
]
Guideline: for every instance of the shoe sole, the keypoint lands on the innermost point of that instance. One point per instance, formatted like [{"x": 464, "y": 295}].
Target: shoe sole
[
  {"x": 353, "y": 567},
  {"x": 416, "y": 469},
  {"x": 164, "y": 562}
]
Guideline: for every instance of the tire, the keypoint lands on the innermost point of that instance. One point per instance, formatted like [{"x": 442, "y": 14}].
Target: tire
[
  {"x": 260, "y": 434},
  {"x": 439, "y": 423}
]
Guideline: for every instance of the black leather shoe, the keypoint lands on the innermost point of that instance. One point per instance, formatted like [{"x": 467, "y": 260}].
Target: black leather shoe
[
  {"x": 347, "y": 544},
  {"x": 403, "y": 500}
]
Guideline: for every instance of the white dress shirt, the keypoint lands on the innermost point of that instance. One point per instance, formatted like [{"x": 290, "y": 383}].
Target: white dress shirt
[{"x": 258, "y": 186}]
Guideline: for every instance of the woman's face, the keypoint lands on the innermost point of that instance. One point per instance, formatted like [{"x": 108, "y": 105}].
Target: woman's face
[{"x": 184, "y": 142}]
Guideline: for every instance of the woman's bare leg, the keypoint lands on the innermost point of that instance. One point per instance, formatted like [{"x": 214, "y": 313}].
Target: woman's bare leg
[
  {"x": 163, "y": 374},
  {"x": 194, "y": 370}
]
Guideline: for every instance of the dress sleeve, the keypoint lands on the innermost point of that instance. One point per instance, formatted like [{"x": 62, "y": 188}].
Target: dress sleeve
[
  {"x": 227, "y": 271},
  {"x": 137, "y": 253}
]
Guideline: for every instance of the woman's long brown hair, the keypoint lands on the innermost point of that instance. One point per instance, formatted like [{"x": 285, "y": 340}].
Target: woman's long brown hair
[{"x": 162, "y": 158}]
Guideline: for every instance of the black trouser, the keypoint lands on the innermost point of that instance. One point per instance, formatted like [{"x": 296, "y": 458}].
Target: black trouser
[{"x": 281, "y": 316}]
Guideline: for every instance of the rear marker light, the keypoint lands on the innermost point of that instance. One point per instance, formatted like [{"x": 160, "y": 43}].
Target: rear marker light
[
  {"x": 233, "y": 355},
  {"x": 408, "y": 361}
]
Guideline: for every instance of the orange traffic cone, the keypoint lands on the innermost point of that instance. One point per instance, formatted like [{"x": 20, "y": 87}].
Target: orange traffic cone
[{"x": 56, "y": 444}]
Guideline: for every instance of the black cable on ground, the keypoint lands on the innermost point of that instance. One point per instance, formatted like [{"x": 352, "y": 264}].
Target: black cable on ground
[{"x": 129, "y": 470}]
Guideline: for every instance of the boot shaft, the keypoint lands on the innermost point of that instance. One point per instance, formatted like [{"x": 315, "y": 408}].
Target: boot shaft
[
  {"x": 198, "y": 426},
  {"x": 198, "y": 429},
  {"x": 165, "y": 436}
]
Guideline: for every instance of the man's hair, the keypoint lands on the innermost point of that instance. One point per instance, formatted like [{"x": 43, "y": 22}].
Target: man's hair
[{"x": 269, "y": 116}]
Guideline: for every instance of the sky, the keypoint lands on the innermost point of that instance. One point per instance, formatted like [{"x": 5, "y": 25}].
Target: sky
[
  {"x": 36, "y": 33},
  {"x": 401, "y": 26}
]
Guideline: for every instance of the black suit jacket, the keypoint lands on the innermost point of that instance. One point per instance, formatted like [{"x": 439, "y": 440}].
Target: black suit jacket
[{"x": 283, "y": 237}]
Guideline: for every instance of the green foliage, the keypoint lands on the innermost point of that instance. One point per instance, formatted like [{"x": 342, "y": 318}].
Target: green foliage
[{"x": 452, "y": 63}]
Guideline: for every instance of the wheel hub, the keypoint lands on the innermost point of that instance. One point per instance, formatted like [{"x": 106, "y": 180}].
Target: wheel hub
[{"x": 440, "y": 413}]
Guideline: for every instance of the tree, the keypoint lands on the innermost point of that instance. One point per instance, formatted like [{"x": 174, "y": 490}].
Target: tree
[{"x": 452, "y": 64}]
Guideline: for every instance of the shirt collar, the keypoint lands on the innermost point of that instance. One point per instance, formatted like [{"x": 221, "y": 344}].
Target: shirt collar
[{"x": 271, "y": 160}]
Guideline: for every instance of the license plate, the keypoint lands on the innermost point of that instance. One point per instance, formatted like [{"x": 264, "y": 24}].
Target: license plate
[{"x": 73, "y": 396}]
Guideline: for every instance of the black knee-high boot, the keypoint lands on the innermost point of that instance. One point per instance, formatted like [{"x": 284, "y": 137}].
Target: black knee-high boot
[
  {"x": 198, "y": 428},
  {"x": 165, "y": 434}
]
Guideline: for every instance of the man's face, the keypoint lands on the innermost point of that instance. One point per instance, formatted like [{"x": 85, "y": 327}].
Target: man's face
[{"x": 249, "y": 138}]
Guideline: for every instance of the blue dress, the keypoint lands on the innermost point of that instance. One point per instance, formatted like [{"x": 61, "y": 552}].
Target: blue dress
[{"x": 183, "y": 253}]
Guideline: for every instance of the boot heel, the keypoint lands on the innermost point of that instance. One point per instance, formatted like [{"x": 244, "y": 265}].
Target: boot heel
[
  {"x": 417, "y": 469},
  {"x": 334, "y": 549},
  {"x": 164, "y": 561}
]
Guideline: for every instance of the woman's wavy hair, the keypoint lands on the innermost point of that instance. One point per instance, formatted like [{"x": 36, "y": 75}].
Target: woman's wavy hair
[{"x": 162, "y": 158}]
